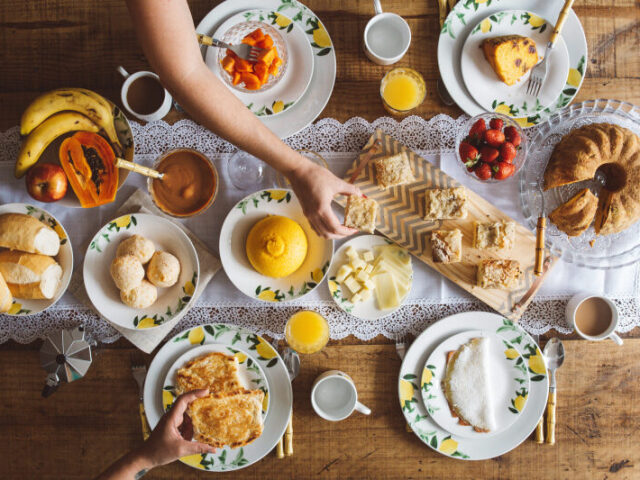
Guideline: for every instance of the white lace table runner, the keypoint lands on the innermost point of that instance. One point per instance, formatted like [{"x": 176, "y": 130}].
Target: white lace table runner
[{"x": 432, "y": 297}]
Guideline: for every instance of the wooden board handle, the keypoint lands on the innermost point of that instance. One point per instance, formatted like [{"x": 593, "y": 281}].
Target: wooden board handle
[
  {"x": 141, "y": 169},
  {"x": 540, "y": 430},
  {"x": 560, "y": 22},
  {"x": 540, "y": 230},
  {"x": 551, "y": 419}
]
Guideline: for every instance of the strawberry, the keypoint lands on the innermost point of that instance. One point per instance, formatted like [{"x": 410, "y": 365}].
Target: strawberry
[
  {"x": 483, "y": 172},
  {"x": 502, "y": 170},
  {"x": 496, "y": 123},
  {"x": 477, "y": 130},
  {"x": 508, "y": 152},
  {"x": 468, "y": 154},
  {"x": 489, "y": 154},
  {"x": 494, "y": 138},
  {"x": 512, "y": 135}
]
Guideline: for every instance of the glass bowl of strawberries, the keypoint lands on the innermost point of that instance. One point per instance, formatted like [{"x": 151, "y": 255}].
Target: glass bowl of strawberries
[{"x": 491, "y": 147}]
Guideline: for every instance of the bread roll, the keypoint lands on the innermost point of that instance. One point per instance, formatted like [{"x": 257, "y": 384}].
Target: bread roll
[
  {"x": 141, "y": 296},
  {"x": 163, "y": 269},
  {"x": 6, "y": 299},
  {"x": 138, "y": 246},
  {"x": 127, "y": 272},
  {"x": 23, "y": 232},
  {"x": 30, "y": 275}
]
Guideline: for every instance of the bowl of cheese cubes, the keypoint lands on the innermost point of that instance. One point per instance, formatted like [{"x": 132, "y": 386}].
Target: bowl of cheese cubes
[{"x": 370, "y": 277}]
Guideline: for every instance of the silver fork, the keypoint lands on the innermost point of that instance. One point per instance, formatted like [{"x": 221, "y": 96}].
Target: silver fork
[
  {"x": 540, "y": 71},
  {"x": 139, "y": 372},
  {"x": 401, "y": 346},
  {"x": 244, "y": 51}
]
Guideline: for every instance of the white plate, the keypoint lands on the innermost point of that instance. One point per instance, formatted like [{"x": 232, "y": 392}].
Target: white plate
[
  {"x": 299, "y": 68},
  {"x": 509, "y": 383},
  {"x": 368, "y": 309},
  {"x": 312, "y": 103},
  {"x": 234, "y": 259},
  {"x": 261, "y": 352},
  {"x": 64, "y": 258},
  {"x": 466, "y": 14},
  {"x": 250, "y": 373},
  {"x": 440, "y": 439},
  {"x": 172, "y": 303},
  {"x": 483, "y": 83}
]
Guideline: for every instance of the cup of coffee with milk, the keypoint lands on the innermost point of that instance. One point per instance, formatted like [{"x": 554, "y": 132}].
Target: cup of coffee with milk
[
  {"x": 593, "y": 317},
  {"x": 143, "y": 96},
  {"x": 387, "y": 37}
]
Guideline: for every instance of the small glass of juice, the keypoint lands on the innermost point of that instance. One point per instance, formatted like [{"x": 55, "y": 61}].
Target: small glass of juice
[
  {"x": 402, "y": 89},
  {"x": 307, "y": 332}
]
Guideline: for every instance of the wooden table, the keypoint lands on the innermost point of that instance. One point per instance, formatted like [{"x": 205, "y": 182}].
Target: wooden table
[{"x": 86, "y": 425}]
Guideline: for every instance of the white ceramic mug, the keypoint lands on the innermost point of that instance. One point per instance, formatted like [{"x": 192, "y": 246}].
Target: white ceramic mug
[
  {"x": 572, "y": 307},
  {"x": 387, "y": 37},
  {"x": 334, "y": 396},
  {"x": 160, "y": 113}
]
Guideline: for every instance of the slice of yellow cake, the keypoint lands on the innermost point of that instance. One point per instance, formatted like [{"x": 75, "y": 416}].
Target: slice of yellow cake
[{"x": 510, "y": 56}]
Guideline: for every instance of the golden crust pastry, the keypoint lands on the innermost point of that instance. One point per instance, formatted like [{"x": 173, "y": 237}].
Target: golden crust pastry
[
  {"x": 445, "y": 203},
  {"x": 498, "y": 273},
  {"x": 494, "y": 235},
  {"x": 393, "y": 170},
  {"x": 361, "y": 213},
  {"x": 231, "y": 418},
  {"x": 575, "y": 216},
  {"x": 446, "y": 246},
  {"x": 216, "y": 371}
]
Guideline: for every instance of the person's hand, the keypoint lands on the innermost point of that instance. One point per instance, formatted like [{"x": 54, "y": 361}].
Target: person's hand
[
  {"x": 315, "y": 187},
  {"x": 171, "y": 439}
]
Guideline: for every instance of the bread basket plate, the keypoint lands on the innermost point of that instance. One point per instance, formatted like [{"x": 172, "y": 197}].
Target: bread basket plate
[
  {"x": 257, "y": 349},
  {"x": 233, "y": 236},
  {"x": 64, "y": 258},
  {"x": 172, "y": 302},
  {"x": 507, "y": 373},
  {"x": 250, "y": 373},
  {"x": 588, "y": 249},
  {"x": 283, "y": 90},
  {"x": 487, "y": 89},
  {"x": 367, "y": 309}
]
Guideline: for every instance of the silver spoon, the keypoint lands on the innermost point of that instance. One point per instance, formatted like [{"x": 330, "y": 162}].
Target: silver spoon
[{"x": 554, "y": 355}]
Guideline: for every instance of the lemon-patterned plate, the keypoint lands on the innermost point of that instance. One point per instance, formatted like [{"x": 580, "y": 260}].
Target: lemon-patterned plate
[
  {"x": 234, "y": 259},
  {"x": 172, "y": 302},
  {"x": 248, "y": 347},
  {"x": 443, "y": 441},
  {"x": 64, "y": 258},
  {"x": 508, "y": 376},
  {"x": 250, "y": 372}
]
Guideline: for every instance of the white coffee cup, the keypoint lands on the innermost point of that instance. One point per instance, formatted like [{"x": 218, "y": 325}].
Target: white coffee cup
[
  {"x": 334, "y": 396},
  {"x": 160, "y": 113},
  {"x": 572, "y": 308},
  {"x": 387, "y": 37}
]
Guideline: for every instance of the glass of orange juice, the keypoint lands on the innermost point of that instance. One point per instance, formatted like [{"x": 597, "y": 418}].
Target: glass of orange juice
[
  {"x": 307, "y": 332},
  {"x": 402, "y": 89}
]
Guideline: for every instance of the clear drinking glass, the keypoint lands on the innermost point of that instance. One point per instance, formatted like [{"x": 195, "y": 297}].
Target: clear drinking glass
[{"x": 246, "y": 172}]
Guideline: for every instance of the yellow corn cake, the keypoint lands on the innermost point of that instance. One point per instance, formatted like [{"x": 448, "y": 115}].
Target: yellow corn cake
[{"x": 510, "y": 56}]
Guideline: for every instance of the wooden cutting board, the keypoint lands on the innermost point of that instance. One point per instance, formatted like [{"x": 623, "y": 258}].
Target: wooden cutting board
[{"x": 400, "y": 218}]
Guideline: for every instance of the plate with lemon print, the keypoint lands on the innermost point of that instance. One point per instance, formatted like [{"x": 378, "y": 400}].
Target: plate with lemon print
[
  {"x": 256, "y": 356},
  {"x": 483, "y": 83},
  {"x": 298, "y": 58},
  {"x": 64, "y": 258},
  {"x": 172, "y": 303},
  {"x": 413, "y": 380},
  {"x": 267, "y": 230},
  {"x": 508, "y": 377},
  {"x": 468, "y": 14}
]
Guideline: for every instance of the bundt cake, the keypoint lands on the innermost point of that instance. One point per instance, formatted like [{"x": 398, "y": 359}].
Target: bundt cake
[
  {"x": 575, "y": 216},
  {"x": 615, "y": 152},
  {"x": 510, "y": 56}
]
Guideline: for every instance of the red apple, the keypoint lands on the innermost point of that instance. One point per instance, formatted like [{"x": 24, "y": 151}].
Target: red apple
[{"x": 46, "y": 182}]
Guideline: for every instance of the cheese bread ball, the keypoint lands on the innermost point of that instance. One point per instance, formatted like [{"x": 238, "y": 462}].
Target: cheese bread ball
[
  {"x": 138, "y": 246},
  {"x": 141, "y": 296},
  {"x": 163, "y": 269},
  {"x": 127, "y": 272}
]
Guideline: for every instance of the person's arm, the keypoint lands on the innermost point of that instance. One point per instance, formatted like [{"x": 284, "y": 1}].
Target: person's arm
[
  {"x": 167, "y": 33},
  {"x": 170, "y": 440}
]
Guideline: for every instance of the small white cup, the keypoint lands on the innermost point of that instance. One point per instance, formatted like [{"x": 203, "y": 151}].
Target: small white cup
[
  {"x": 160, "y": 113},
  {"x": 387, "y": 37},
  {"x": 572, "y": 307},
  {"x": 334, "y": 396}
]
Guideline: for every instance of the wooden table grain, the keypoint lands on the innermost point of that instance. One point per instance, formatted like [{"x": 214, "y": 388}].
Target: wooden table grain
[{"x": 86, "y": 425}]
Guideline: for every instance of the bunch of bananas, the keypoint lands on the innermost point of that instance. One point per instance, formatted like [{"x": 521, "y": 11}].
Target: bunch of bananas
[{"x": 58, "y": 112}]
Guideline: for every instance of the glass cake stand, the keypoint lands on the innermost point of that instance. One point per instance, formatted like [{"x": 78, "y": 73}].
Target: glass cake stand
[{"x": 588, "y": 249}]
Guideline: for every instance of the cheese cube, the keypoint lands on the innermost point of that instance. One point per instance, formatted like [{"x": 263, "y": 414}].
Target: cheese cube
[
  {"x": 351, "y": 253},
  {"x": 358, "y": 263},
  {"x": 362, "y": 276},
  {"x": 368, "y": 284},
  {"x": 368, "y": 268},
  {"x": 343, "y": 272},
  {"x": 367, "y": 256},
  {"x": 356, "y": 298},
  {"x": 352, "y": 284},
  {"x": 365, "y": 294}
]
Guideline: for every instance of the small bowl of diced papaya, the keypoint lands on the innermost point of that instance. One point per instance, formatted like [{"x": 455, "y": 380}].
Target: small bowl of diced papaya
[{"x": 248, "y": 76}]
